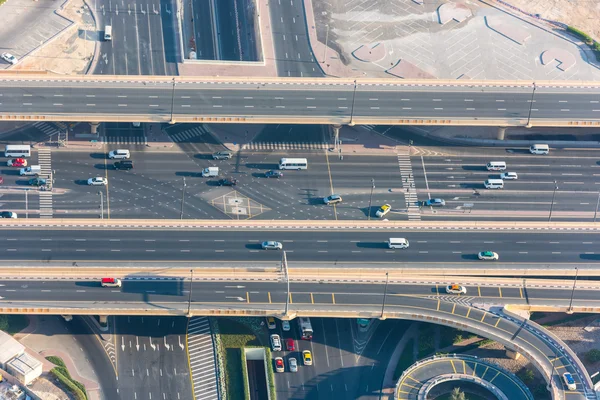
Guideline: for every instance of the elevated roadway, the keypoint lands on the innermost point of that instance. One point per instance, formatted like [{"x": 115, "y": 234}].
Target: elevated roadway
[{"x": 297, "y": 100}]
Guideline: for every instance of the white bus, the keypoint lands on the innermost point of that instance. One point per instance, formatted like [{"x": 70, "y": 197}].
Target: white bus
[
  {"x": 17, "y": 150},
  {"x": 293, "y": 163},
  {"x": 306, "y": 330}
]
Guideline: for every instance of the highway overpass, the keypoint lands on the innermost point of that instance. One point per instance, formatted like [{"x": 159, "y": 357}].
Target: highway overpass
[{"x": 297, "y": 100}]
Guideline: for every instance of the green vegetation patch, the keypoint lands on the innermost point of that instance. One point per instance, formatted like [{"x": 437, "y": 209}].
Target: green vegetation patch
[
  {"x": 426, "y": 340},
  {"x": 56, "y": 361},
  {"x": 13, "y": 323},
  {"x": 75, "y": 388},
  {"x": 587, "y": 39},
  {"x": 234, "y": 337},
  {"x": 406, "y": 359}
]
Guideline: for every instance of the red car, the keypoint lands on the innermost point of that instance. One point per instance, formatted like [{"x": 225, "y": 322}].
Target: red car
[
  {"x": 1, "y": 180},
  {"x": 17, "y": 162},
  {"x": 290, "y": 345}
]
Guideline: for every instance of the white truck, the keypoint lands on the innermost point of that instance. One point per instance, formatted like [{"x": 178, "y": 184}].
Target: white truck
[
  {"x": 31, "y": 170},
  {"x": 210, "y": 172},
  {"x": 108, "y": 32},
  {"x": 306, "y": 329}
]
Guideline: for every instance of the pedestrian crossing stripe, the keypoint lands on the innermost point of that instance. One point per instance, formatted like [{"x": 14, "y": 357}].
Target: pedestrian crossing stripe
[
  {"x": 201, "y": 357},
  {"x": 409, "y": 187},
  {"x": 189, "y": 134},
  {"x": 47, "y": 128},
  {"x": 286, "y": 146},
  {"x": 124, "y": 140}
]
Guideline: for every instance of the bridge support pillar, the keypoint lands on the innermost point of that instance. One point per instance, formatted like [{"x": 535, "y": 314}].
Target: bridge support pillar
[
  {"x": 94, "y": 126},
  {"x": 513, "y": 354},
  {"x": 336, "y": 135},
  {"x": 103, "y": 319},
  {"x": 67, "y": 317},
  {"x": 501, "y": 132}
]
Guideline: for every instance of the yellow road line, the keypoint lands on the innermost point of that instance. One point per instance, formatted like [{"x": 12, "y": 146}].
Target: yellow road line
[
  {"x": 437, "y": 289},
  {"x": 269, "y": 293},
  {"x": 500, "y": 291},
  {"x": 411, "y": 386},
  {"x": 410, "y": 377},
  {"x": 495, "y": 376},
  {"x": 484, "y": 372},
  {"x": 312, "y": 300},
  {"x": 521, "y": 292},
  {"x": 453, "y": 307},
  {"x": 559, "y": 367},
  {"x": 468, "y": 312},
  {"x": 333, "y": 297},
  {"x": 497, "y": 322},
  {"x": 291, "y": 298},
  {"x": 247, "y": 297},
  {"x": 474, "y": 368},
  {"x": 482, "y": 317},
  {"x": 464, "y": 367},
  {"x": 438, "y": 306},
  {"x": 330, "y": 183},
  {"x": 479, "y": 291},
  {"x": 453, "y": 367}
]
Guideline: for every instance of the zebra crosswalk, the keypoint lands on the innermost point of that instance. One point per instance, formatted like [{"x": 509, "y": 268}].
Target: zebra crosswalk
[
  {"x": 409, "y": 188},
  {"x": 124, "y": 140},
  {"x": 45, "y": 162},
  {"x": 285, "y": 146},
  {"x": 189, "y": 134},
  {"x": 47, "y": 128},
  {"x": 201, "y": 353}
]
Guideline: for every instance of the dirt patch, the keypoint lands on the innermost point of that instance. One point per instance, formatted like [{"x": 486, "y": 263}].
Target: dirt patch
[
  {"x": 72, "y": 51},
  {"x": 583, "y": 15}
]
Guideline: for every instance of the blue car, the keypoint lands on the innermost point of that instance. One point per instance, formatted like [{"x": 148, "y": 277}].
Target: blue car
[{"x": 435, "y": 202}]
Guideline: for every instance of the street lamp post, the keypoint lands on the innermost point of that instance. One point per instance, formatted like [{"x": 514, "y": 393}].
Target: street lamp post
[
  {"x": 552, "y": 204},
  {"x": 570, "y": 310},
  {"x": 190, "y": 296},
  {"x": 371, "y": 198},
  {"x": 549, "y": 386},
  {"x": 387, "y": 276},
  {"x": 101, "y": 204},
  {"x": 182, "y": 198},
  {"x": 326, "y": 42}
]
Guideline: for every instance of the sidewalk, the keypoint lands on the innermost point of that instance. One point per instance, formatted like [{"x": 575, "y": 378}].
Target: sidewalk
[{"x": 45, "y": 336}]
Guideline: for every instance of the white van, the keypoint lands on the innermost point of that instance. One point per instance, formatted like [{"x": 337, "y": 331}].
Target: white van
[
  {"x": 108, "y": 32},
  {"x": 119, "y": 154},
  {"x": 398, "y": 243},
  {"x": 539, "y": 149},
  {"x": 31, "y": 170},
  {"x": 210, "y": 172},
  {"x": 494, "y": 184},
  {"x": 496, "y": 166}
]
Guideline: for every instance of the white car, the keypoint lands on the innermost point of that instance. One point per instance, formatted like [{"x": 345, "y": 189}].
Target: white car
[
  {"x": 509, "y": 176},
  {"x": 456, "y": 289},
  {"x": 9, "y": 58},
  {"x": 488, "y": 255},
  {"x": 97, "y": 181},
  {"x": 293, "y": 365},
  {"x": 275, "y": 342},
  {"x": 285, "y": 325},
  {"x": 270, "y": 245},
  {"x": 333, "y": 199}
]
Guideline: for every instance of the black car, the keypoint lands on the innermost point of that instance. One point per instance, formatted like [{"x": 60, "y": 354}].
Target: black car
[
  {"x": 125, "y": 164},
  {"x": 273, "y": 174},
  {"x": 37, "y": 182},
  {"x": 228, "y": 182}
]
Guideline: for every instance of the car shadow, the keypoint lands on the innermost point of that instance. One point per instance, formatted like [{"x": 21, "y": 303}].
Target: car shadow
[
  {"x": 372, "y": 245},
  {"x": 205, "y": 157},
  {"x": 81, "y": 182},
  {"x": 88, "y": 284},
  {"x": 472, "y": 185},
  {"x": 594, "y": 257},
  {"x": 518, "y": 151},
  {"x": 254, "y": 246},
  {"x": 10, "y": 171},
  {"x": 99, "y": 156},
  {"x": 262, "y": 166},
  {"x": 104, "y": 166},
  {"x": 188, "y": 174},
  {"x": 25, "y": 183},
  {"x": 469, "y": 257},
  {"x": 474, "y": 168}
]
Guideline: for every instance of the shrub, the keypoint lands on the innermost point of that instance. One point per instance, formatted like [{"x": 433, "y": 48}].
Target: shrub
[
  {"x": 593, "y": 355},
  {"x": 56, "y": 361},
  {"x": 74, "y": 389},
  {"x": 584, "y": 36},
  {"x": 526, "y": 375}
]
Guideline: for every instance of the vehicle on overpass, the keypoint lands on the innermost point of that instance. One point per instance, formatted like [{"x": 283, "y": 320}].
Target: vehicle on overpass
[
  {"x": 97, "y": 181},
  {"x": 456, "y": 289},
  {"x": 306, "y": 330},
  {"x": 8, "y": 214},
  {"x": 273, "y": 174},
  {"x": 108, "y": 32},
  {"x": 383, "y": 210},
  {"x": 509, "y": 176},
  {"x": 271, "y": 245},
  {"x": 293, "y": 163},
  {"x": 37, "y": 182},
  {"x": 333, "y": 199},
  {"x": 222, "y": 155},
  {"x": 488, "y": 255},
  {"x": 434, "y": 203},
  {"x": 539, "y": 149},
  {"x": 9, "y": 58},
  {"x": 569, "y": 381},
  {"x": 17, "y": 162}
]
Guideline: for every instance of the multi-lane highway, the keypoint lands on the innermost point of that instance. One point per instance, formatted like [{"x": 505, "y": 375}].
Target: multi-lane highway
[
  {"x": 295, "y": 100},
  {"x": 217, "y": 247}
]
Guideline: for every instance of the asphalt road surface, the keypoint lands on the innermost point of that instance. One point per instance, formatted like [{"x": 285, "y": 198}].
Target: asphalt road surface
[
  {"x": 425, "y": 299},
  {"x": 144, "y": 40},
  {"x": 440, "y": 248},
  {"x": 339, "y": 101},
  {"x": 151, "y": 358}
]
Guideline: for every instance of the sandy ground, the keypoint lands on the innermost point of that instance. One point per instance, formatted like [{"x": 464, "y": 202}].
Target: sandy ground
[
  {"x": 69, "y": 53},
  {"x": 582, "y": 14}
]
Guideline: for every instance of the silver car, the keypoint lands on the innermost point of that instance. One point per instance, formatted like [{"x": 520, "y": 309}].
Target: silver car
[
  {"x": 293, "y": 365},
  {"x": 222, "y": 155},
  {"x": 269, "y": 245}
]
